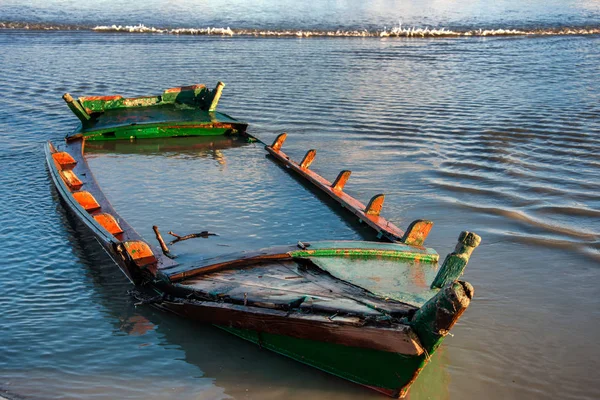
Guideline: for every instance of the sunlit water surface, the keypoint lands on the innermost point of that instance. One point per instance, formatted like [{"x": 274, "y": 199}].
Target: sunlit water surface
[{"x": 495, "y": 135}]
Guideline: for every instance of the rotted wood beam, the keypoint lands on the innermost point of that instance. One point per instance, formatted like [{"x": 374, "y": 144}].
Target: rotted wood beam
[{"x": 455, "y": 262}]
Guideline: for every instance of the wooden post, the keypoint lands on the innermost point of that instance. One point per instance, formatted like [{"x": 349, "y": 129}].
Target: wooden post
[
  {"x": 417, "y": 232},
  {"x": 163, "y": 246},
  {"x": 341, "y": 180},
  {"x": 375, "y": 205},
  {"x": 455, "y": 262},
  {"x": 308, "y": 159},
  {"x": 435, "y": 318},
  {"x": 279, "y": 141},
  {"x": 77, "y": 108},
  {"x": 216, "y": 96}
]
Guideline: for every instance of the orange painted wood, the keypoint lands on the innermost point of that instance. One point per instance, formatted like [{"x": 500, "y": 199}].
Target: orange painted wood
[
  {"x": 140, "y": 253},
  {"x": 109, "y": 223},
  {"x": 184, "y": 88},
  {"x": 87, "y": 201},
  {"x": 417, "y": 232},
  {"x": 378, "y": 223},
  {"x": 64, "y": 160},
  {"x": 308, "y": 159},
  {"x": 375, "y": 205},
  {"x": 276, "y": 146},
  {"x": 71, "y": 179},
  {"x": 341, "y": 180}
]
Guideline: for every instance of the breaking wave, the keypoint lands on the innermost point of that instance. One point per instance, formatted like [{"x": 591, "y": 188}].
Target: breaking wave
[{"x": 398, "y": 31}]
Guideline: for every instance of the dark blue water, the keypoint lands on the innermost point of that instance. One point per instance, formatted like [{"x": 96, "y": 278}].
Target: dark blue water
[{"x": 498, "y": 135}]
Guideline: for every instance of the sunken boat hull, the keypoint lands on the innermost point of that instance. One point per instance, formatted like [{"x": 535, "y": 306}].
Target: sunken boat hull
[
  {"x": 181, "y": 111},
  {"x": 311, "y": 302}
]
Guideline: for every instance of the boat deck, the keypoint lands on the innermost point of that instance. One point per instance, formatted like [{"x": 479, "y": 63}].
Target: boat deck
[{"x": 289, "y": 284}]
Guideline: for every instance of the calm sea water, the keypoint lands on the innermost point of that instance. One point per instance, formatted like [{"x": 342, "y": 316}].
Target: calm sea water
[{"x": 498, "y": 135}]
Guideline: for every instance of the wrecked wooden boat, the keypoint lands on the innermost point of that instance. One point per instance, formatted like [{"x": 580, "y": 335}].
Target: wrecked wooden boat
[
  {"x": 180, "y": 111},
  {"x": 369, "y": 312}
]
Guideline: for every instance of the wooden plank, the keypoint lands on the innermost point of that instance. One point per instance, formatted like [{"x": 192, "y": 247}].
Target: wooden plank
[
  {"x": 345, "y": 331},
  {"x": 383, "y": 227}
]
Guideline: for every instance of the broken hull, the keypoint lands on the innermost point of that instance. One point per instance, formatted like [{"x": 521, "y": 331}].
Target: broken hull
[
  {"x": 183, "y": 111},
  {"x": 386, "y": 372},
  {"x": 374, "y": 341}
]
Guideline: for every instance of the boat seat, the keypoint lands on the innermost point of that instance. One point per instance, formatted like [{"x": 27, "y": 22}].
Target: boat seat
[
  {"x": 109, "y": 223},
  {"x": 86, "y": 200},
  {"x": 71, "y": 179},
  {"x": 64, "y": 160},
  {"x": 140, "y": 253}
]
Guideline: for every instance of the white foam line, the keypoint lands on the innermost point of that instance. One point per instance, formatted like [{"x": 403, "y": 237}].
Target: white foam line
[{"x": 398, "y": 31}]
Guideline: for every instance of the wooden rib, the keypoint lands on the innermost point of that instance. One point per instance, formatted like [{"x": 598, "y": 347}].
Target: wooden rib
[
  {"x": 140, "y": 252},
  {"x": 64, "y": 160},
  {"x": 71, "y": 179},
  {"x": 341, "y": 180},
  {"x": 375, "y": 205},
  {"x": 279, "y": 141},
  {"x": 379, "y": 224},
  {"x": 86, "y": 200},
  {"x": 109, "y": 223},
  {"x": 417, "y": 232},
  {"x": 308, "y": 159}
]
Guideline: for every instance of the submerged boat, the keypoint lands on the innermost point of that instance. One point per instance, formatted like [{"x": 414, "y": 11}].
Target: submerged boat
[
  {"x": 372, "y": 312},
  {"x": 180, "y": 111}
]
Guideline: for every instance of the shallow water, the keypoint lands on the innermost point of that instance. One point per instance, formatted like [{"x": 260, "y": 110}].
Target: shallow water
[{"x": 495, "y": 135}]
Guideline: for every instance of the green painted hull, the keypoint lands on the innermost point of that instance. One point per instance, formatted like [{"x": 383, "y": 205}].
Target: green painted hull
[
  {"x": 183, "y": 111},
  {"x": 390, "y": 373},
  {"x": 151, "y": 132}
]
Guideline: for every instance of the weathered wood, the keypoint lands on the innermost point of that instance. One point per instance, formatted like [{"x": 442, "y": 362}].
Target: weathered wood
[
  {"x": 178, "y": 238},
  {"x": 308, "y": 159},
  {"x": 467, "y": 242},
  {"x": 417, "y": 232},
  {"x": 455, "y": 263},
  {"x": 236, "y": 263},
  {"x": 86, "y": 200},
  {"x": 216, "y": 96},
  {"x": 182, "y": 111},
  {"x": 77, "y": 108},
  {"x": 64, "y": 160},
  {"x": 435, "y": 318},
  {"x": 276, "y": 146},
  {"x": 341, "y": 180},
  {"x": 375, "y": 205},
  {"x": 160, "y": 240},
  {"x": 140, "y": 252},
  {"x": 109, "y": 223},
  {"x": 397, "y": 339},
  {"x": 72, "y": 180}
]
